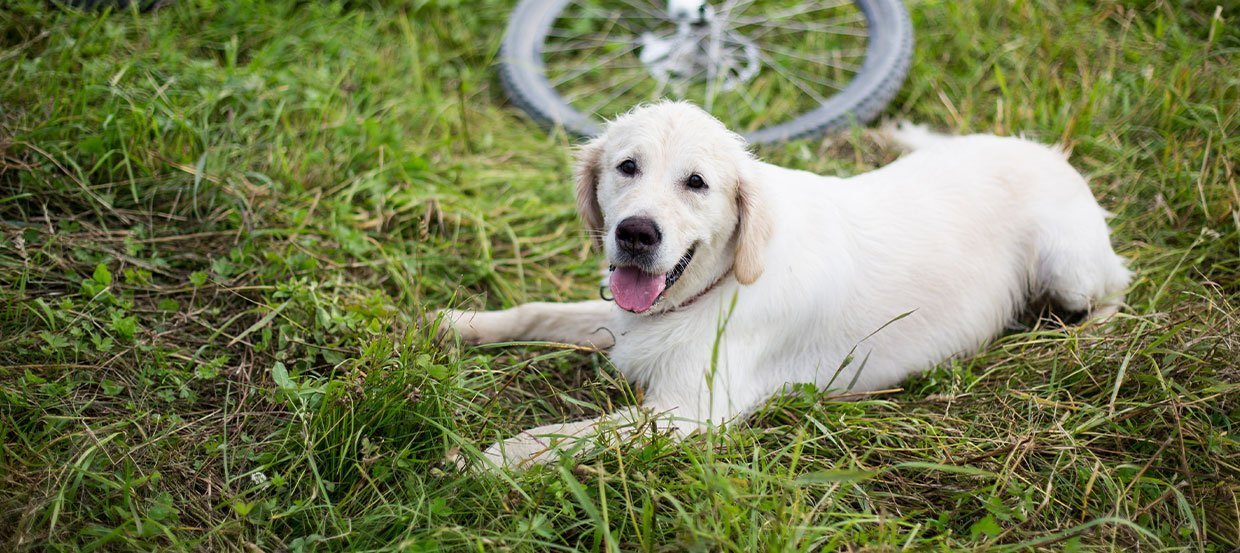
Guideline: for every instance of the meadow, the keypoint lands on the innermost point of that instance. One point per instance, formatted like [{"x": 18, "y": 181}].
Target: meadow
[{"x": 221, "y": 224}]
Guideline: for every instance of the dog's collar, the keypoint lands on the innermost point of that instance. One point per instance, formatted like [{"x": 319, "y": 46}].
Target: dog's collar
[
  {"x": 602, "y": 292},
  {"x": 699, "y": 295}
]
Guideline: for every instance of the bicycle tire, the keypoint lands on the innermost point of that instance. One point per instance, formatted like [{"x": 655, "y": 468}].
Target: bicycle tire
[{"x": 889, "y": 50}]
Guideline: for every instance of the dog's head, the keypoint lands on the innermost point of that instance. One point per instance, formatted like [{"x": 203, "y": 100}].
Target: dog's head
[{"x": 668, "y": 192}]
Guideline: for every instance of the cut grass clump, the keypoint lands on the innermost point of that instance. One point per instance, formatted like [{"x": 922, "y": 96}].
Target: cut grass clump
[{"x": 222, "y": 225}]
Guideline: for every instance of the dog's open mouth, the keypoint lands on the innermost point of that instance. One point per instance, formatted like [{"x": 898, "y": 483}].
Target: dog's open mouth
[{"x": 637, "y": 291}]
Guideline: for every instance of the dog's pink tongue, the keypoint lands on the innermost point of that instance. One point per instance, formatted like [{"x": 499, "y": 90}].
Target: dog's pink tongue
[{"x": 634, "y": 289}]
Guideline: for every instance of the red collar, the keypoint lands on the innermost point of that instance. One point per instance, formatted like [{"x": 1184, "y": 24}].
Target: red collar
[{"x": 699, "y": 295}]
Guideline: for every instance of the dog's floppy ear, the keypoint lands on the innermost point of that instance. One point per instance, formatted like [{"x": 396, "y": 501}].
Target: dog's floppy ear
[
  {"x": 586, "y": 173},
  {"x": 753, "y": 230}
]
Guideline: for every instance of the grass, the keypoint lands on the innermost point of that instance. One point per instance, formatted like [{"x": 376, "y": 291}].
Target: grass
[{"x": 220, "y": 222}]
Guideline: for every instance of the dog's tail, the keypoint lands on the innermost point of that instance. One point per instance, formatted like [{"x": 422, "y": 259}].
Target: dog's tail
[{"x": 910, "y": 137}]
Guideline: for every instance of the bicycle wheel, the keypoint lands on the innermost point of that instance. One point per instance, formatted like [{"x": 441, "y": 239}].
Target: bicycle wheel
[{"x": 771, "y": 69}]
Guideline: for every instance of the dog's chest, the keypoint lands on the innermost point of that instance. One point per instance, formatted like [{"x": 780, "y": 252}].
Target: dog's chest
[{"x": 650, "y": 349}]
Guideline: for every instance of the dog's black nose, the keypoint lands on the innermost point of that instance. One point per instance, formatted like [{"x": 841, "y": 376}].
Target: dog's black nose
[{"x": 638, "y": 235}]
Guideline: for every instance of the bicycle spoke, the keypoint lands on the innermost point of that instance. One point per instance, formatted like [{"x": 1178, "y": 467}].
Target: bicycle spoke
[
  {"x": 611, "y": 18},
  {"x": 768, "y": 22},
  {"x": 591, "y": 65},
  {"x": 712, "y": 85},
  {"x": 583, "y": 45},
  {"x": 739, "y": 93},
  {"x": 611, "y": 57},
  {"x": 565, "y": 34},
  {"x": 633, "y": 82},
  {"x": 573, "y": 95},
  {"x": 605, "y": 32},
  {"x": 820, "y": 61},
  {"x": 819, "y": 27},
  {"x": 742, "y": 92},
  {"x": 808, "y": 7},
  {"x": 812, "y": 78},
  {"x": 734, "y": 8},
  {"x": 779, "y": 68},
  {"x": 648, "y": 11}
]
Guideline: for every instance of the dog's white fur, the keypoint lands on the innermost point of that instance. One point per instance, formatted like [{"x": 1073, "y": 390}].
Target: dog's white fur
[{"x": 838, "y": 282}]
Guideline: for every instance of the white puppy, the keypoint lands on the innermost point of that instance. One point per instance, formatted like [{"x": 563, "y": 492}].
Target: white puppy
[{"x": 733, "y": 278}]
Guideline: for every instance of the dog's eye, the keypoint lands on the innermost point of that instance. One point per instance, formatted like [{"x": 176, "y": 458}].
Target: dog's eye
[
  {"x": 695, "y": 182},
  {"x": 628, "y": 167}
]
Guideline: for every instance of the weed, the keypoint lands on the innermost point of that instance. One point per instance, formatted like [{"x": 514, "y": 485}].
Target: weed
[{"x": 222, "y": 222}]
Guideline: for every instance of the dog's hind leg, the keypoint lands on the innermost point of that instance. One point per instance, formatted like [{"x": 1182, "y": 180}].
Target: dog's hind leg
[{"x": 583, "y": 323}]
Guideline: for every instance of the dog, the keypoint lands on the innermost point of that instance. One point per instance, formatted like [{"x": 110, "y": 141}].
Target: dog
[{"x": 733, "y": 279}]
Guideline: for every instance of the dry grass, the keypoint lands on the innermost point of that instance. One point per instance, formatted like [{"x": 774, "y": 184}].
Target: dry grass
[{"x": 219, "y": 222}]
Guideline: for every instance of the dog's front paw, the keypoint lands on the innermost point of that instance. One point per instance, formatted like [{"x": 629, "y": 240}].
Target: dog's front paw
[
  {"x": 546, "y": 443},
  {"x": 470, "y": 326},
  {"x": 517, "y": 453}
]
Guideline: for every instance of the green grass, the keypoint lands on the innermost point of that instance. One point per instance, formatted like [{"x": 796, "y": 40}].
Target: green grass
[{"x": 221, "y": 222}]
